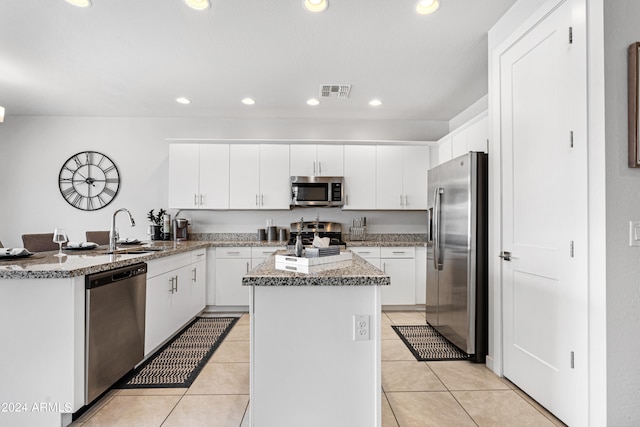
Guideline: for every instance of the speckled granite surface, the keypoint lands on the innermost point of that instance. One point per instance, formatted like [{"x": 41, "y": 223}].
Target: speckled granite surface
[
  {"x": 356, "y": 272},
  {"x": 44, "y": 265}
]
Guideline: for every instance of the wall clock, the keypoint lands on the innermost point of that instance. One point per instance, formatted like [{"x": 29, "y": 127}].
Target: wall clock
[{"x": 89, "y": 180}]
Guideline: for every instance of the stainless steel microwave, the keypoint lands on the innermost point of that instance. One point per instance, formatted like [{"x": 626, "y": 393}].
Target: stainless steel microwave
[{"x": 317, "y": 191}]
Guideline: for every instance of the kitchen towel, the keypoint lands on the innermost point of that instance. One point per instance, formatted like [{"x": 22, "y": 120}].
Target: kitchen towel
[{"x": 13, "y": 252}]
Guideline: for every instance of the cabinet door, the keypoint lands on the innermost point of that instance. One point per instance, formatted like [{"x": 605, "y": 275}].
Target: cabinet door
[
  {"x": 183, "y": 175},
  {"x": 415, "y": 164},
  {"x": 330, "y": 160},
  {"x": 477, "y": 135},
  {"x": 444, "y": 150},
  {"x": 302, "y": 159},
  {"x": 275, "y": 185},
  {"x": 421, "y": 275},
  {"x": 229, "y": 289},
  {"x": 198, "y": 290},
  {"x": 360, "y": 176},
  {"x": 459, "y": 144},
  {"x": 389, "y": 177},
  {"x": 158, "y": 311},
  {"x": 214, "y": 176},
  {"x": 402, "y": 290},
  {"x": 244, "y": 176}
]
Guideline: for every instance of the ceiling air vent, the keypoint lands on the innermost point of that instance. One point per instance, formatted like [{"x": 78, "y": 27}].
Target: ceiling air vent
[{"x": 335, "y": 91}]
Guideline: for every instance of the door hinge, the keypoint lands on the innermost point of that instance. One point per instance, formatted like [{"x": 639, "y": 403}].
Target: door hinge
[
  {"x": 572, "y": 249},
  {"x": 570, "y": 35},
  {"x": 571, "y": 138},
  {"x": 572, "y": 360}
]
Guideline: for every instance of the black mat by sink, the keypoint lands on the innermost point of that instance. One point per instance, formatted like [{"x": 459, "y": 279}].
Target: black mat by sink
[
  {"x": 427, "y": 344},
  {"x": 178, "y": 362}
]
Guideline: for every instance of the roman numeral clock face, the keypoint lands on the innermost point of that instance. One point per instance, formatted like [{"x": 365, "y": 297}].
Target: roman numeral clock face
[{"x": 89, "y": 180}]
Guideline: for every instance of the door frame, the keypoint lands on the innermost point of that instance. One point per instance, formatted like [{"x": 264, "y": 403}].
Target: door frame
[{"x": 520, "y": 19}]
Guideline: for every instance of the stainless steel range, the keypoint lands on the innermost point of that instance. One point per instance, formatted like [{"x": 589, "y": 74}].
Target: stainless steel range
[{"x": 332, "y": 230}]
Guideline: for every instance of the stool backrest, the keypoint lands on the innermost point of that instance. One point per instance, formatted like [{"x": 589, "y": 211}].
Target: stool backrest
[
  {"x": 39, "y": 242},
  {"x": 99, "y": 237}
]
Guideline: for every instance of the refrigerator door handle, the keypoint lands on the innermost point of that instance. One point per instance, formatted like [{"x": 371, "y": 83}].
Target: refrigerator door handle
[{"x": 436, "y": 228}]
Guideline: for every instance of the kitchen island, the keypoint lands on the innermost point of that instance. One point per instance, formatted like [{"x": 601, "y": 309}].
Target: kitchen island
[{"x": 315, "y": 345}]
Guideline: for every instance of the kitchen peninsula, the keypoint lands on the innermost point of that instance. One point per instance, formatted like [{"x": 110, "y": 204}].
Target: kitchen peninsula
[
  {"x": 42, "y": 310},
  {"x": 315, "y": 345}
]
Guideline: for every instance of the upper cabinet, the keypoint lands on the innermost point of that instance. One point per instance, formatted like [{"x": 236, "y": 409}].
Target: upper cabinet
[
  {"x": 198, "y": 176},
  {"x": 316, "y": 160},
  {"x": 360, "y": 176},
  {"x": 401, "y": 177},
  {"x": 259, "y": 176},
  {"x": 472, "y": 136}
]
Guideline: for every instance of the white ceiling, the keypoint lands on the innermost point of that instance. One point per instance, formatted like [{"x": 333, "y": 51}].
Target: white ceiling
[{"x": 134, "y": 57}]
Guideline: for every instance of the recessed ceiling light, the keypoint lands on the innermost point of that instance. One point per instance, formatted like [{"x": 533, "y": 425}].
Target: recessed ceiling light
[
  {"x": 248, "y": 101},
  {"x": 316, "y": 5},
  {"x": 198, "y": 4},
  {"x": 425, "y": 7},
  {"x": 80, "y": 3},
  {"x": 312, "y": 101},
  {"x": 183, "y": 100},
  {"x": 1, "y": 114},
  {"x": 375, "y": 102}
]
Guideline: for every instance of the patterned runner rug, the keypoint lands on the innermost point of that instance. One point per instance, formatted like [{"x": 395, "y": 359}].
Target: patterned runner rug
[
  {"x": 178, "y": 362},
  {"x": 427, "y": 344}
]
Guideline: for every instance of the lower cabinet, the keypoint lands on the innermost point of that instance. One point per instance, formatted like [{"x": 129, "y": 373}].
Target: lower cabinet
[
  {"x": 231, "y": 264},
  {"x": 400, "y": 264},
  {"x": 176, "y": 289}
]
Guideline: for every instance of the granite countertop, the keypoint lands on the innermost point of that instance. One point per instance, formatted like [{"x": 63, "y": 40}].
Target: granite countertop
[
  {"x": 355, "y": 272},
  {"x": 45, "y": 265}
]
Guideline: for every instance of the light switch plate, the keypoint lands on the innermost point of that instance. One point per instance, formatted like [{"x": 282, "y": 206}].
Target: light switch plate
[{"x": 634, "y": 233}]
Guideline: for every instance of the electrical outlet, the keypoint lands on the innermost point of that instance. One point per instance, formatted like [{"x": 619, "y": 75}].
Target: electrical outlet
[{"x": 360, "y": 327}]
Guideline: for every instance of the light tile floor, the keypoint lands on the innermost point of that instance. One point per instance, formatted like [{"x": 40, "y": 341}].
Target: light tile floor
[{"x": 419, "y": 394}]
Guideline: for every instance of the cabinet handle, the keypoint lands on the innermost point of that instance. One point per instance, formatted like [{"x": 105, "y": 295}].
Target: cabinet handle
[
  {"x": 406, "y": 200},
  {"x": 401, "y": 200},
  {"x": 397, "y": 252},
  {"x": 262, "y": 200},
  {"x": 176, "y": 283},
  {"x": 314, "y": 168},
  {"x": 201, "y": 200},
  {"x": 256, "y": 200},
  {"x": 384, "y": 267},
  {"x": 195, "y": 200},
  {"x": 199, "y": 255},
  {"x": 233, "y": 253},
  {"x": 172, "y": 285},
  {"x": 363, "y": 252},
  {"x": 194, "y": 277},
  {"x": 247, "y": 266},
  {"x": 319, "y": 168}
]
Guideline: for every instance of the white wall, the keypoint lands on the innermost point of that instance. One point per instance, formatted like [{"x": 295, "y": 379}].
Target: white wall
[
  {"x": 621, "y": 28},
  {"x": 33, "y": 149}
]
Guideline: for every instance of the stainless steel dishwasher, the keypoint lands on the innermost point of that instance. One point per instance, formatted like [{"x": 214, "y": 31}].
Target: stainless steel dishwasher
[{"x": 115, "y": 317}]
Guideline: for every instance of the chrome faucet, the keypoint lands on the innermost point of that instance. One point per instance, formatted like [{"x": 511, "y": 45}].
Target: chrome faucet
[{"x": 113, "y": 233}]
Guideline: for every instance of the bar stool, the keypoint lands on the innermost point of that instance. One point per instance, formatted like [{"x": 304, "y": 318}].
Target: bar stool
[
  {"x": 1, "y": 245},
  {"x": 99, "y": 237},
  {"x": 39, "y": 242}
]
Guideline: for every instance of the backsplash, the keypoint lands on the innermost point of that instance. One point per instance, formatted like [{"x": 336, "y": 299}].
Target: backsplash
[{"x": 251, "y": 237}]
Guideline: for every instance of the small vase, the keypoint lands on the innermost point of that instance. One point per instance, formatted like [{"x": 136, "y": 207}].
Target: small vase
[
  {"x": 155, "y": 232},
  {"x": 299, "y": 247}
]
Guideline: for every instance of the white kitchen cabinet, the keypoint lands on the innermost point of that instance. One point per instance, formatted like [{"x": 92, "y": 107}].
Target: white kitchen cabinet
[
  {"x": 259, "y": 254},
  {"x": 369, "y": 253},
  {"x": 471, "y": 136},
  {"x": 316, "y": 160},
  {"x": 399, "y": 264},
  {"x": 401, "y": 177},
  {"x": 258, "y": 176},
  {"x": 173, "y": 296},
  {"x": 360, "y": 176},
  {"x": 198, "y": 176},
  {"x": 231, "y": 264}
]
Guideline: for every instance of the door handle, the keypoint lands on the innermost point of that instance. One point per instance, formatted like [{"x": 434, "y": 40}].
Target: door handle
[
  {"x": 505, "y": 255},
  {"x": 436, "y": 228}
]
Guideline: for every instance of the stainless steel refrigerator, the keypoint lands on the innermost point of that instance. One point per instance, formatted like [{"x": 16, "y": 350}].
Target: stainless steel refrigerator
[{"x": 456, "y": 304}]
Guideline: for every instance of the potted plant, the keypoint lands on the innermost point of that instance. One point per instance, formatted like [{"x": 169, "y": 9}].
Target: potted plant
[{"x": 155, "y": 229}]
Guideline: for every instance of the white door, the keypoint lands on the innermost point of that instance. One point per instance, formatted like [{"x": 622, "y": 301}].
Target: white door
[
  {"x": 302, "y": 160},
  {"x": 389, "y": 177},
  {"x": 330, "y": 160},
  {"x": 544, "y": 187}
]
